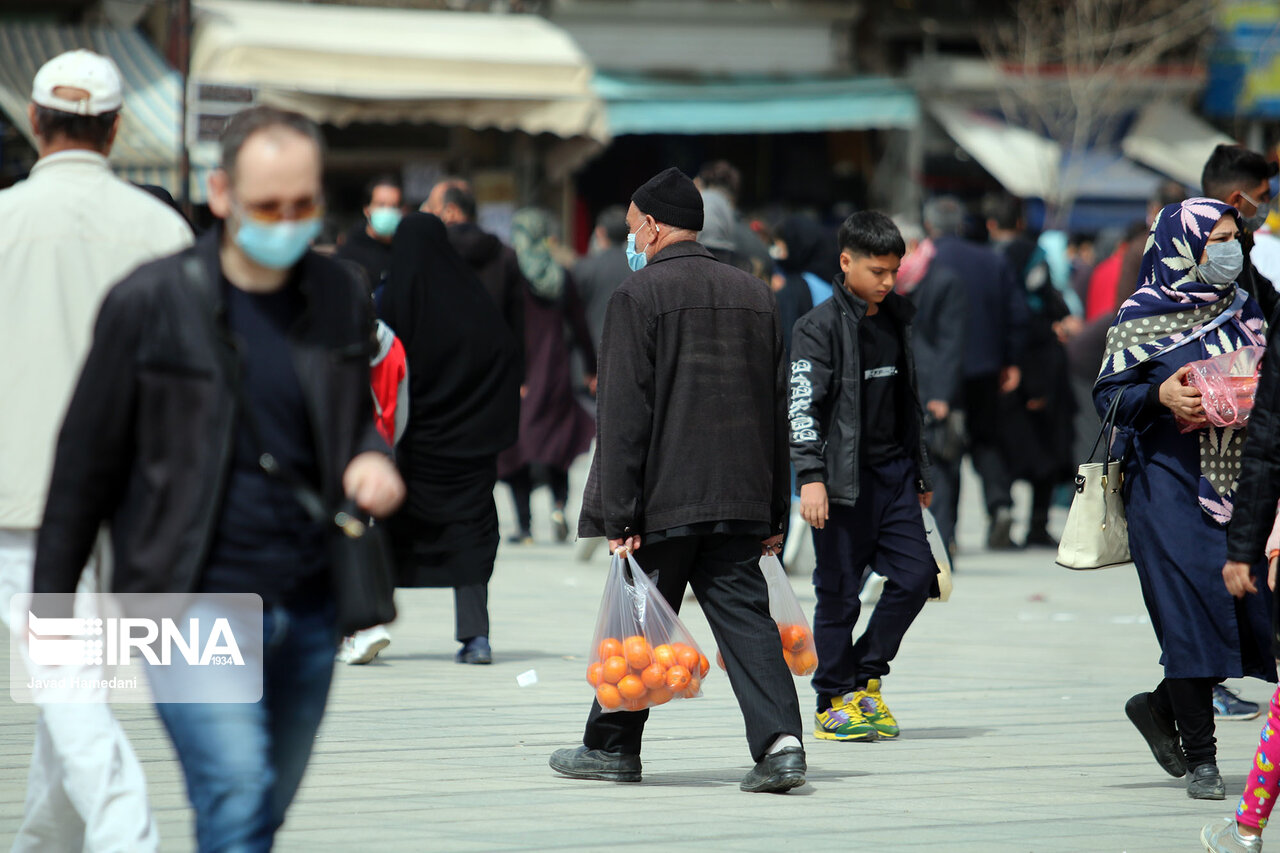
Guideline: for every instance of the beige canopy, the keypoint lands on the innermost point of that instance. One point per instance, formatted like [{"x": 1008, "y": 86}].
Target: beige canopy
[{"x": 341, "y": 64}]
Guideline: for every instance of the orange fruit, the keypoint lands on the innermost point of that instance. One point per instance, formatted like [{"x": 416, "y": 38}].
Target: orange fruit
[
  {"x": 665, "y": 655},
  {"x": 695, "y": 686},
  {"x": 686, "y": 656},
  {"x": 720, "y": 661},
  {"x": 659, "y": 696},
  {"x": 794, "y": 637},
  {"x": 636, "y": 651},
  {"x": 704, "y": 666},
  {"x": 595, "y": 674},
  {"x": 654, "y": 675},
  {"x": 678, "y": 677},
  {"x": 790, "y": 657},
  {"x": 608, "y": 696},
  {"x": 609, "y": 648},
  {"x": 631, "y": 687},
  {"x": 805, "y": 662},
  {"x": 614, "y": 669},
  {"x": 635, "y": 704}
]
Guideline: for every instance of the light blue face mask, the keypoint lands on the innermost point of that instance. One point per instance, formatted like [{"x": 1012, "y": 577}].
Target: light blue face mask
[
  {"x": 279, "y": 245},
  {"x": 385, "y": 220},
  {"x": 635, "y": 260},
  {"x": 1223, "y": 263}
]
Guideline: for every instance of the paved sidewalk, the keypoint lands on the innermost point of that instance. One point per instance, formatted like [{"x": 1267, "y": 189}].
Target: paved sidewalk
[{"x": 1010, "y": 697}]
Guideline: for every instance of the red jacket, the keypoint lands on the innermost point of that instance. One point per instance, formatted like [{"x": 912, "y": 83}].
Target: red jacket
[{"x": 389, "y": 381}]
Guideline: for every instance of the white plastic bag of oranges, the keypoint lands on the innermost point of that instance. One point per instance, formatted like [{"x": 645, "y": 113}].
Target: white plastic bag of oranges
[
  {"x": 798, "y": 649},
  {"x": 642, "y": 656}
]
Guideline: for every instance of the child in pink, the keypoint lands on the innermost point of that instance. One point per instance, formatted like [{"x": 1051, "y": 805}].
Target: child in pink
[{"x": 1263, "y": 783}]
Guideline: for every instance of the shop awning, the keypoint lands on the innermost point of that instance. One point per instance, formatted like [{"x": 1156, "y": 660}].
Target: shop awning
[
  {"x": 1169, "y": 139},
  {"x": 146, "y": 148},
  {"x": 1025, "y": 163},
  {"x": 640, "y": 104},
  {"x": 342, "y": 64}
]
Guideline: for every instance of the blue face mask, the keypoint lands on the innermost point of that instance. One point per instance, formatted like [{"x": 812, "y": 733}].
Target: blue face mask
[
  {"x": 1223, "y": 263},
  {"x": 279, "y": 245},
  {"x": 384, "y": 220},
  {"x": 635, "y": 260}
]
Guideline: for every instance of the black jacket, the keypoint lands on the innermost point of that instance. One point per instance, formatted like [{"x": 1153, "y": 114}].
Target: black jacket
[
  {"x": 1259, "y": 485},
  {"x": 373, "y": 256},
  {"x": 826, "y": 395},
  {"x": 996, "y": 330},
  {"x": 499, "y": 271},
  {"x": 148, "y": 439},
  {"x": 692, "y": 423}
]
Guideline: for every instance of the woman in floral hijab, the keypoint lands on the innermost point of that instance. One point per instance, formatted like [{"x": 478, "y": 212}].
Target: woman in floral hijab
[{"x": 1178, "y": 488}]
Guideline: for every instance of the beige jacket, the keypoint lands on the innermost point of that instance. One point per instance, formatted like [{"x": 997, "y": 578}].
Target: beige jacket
[{"x": 67, "y": 234}]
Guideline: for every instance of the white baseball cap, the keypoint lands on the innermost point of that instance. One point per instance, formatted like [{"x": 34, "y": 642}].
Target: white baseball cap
[{"x": 79, "y": 69}]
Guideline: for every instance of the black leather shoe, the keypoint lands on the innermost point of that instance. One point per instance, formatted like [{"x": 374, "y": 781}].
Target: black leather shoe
[
  {"x": 776, "y": 773},
  {"x": 582, "y": 763},
  {"x": 1206, "y": 784},
  {"x": 1159, "y": 734}
]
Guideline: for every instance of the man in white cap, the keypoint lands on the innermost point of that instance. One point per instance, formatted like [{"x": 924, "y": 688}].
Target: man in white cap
[{"x": 67, "y": 233}]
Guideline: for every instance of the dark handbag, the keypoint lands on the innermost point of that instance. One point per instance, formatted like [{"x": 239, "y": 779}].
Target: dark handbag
[
  {"x": 360, "y": 563},
  {"x": 945, "y": 439}
]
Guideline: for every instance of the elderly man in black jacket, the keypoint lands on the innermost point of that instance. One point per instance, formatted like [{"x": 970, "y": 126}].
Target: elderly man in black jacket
[
  {"x": 692, "y": 464},
  {"x": 212, "y": 373}
]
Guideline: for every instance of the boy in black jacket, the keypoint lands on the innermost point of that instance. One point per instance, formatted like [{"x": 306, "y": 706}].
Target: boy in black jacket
[{"x": 856, "y": 428}]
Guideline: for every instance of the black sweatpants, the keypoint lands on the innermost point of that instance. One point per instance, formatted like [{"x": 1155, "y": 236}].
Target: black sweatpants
[
  {"x": 885, "y": 530},
  {"x": 471, "y": 611},
  {"x": 1189, "y": 703},
  {"x": 522, "y": 483},
  {"x": 724, "y": 571},
  {"x": 986, "y": 441}
]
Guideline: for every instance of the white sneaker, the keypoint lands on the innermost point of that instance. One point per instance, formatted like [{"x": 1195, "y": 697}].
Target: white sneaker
[{"x": 364, "y": 646}]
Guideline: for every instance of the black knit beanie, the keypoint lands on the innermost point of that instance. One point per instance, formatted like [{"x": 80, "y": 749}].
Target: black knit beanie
[{"x": 671, "y": 197}]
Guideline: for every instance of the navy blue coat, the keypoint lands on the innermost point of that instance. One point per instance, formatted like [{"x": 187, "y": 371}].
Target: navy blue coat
[
  {"x": 1179, "y": 551},
  {"x": 996, "y": 326}
]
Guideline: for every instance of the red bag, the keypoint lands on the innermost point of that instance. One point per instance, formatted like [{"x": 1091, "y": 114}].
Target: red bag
[
  {"x": 642, "y": 655},
  {"x": 1227, "y": 384}
]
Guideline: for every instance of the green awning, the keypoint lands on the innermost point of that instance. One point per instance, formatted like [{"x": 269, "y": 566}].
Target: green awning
[{"x": 638, "y": 104}]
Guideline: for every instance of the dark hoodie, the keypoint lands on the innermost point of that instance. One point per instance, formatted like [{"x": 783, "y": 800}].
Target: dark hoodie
[{"x": 499, "y": 272}]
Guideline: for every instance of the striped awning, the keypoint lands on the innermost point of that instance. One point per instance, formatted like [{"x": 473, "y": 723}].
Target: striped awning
[{"x": 147, "y": 148}]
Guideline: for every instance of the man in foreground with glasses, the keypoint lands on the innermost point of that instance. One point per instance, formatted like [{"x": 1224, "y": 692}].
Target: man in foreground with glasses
[{"x": 218, "y": 378}]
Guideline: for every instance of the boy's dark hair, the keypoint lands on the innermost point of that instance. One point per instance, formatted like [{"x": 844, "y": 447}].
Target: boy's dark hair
[
  {"x": 463, "y": 199},
  {"x": 871, "y": 233},
  {"x": 1234, "y": 167},
  {"x": 246, "y": 123},
  {"x": 92, "y": 131},
  {"x": 613, "y": 219},
  {"x": 384, "y": 180},
  {"x": 1004, "y": 210}
]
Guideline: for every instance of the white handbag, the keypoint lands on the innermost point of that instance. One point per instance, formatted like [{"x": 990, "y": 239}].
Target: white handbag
[{"x": 1097, "y": 532}]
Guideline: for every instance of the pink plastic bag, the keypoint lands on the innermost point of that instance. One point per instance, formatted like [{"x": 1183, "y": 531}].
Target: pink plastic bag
[
  {"x": 642, "y": 655},
  {"x": 1227, "y": 384}
]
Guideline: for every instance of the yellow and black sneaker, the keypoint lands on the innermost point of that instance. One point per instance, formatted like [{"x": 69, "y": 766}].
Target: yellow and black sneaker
[
  {"x": 875, "y": 711},
  {"x": 843, "y": 721}
]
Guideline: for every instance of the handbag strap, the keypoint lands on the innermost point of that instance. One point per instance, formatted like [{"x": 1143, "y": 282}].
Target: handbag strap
[{"x": 1108, "y": 429}]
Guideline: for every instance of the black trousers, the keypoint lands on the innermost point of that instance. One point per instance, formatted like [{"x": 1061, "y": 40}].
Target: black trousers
[
  {"x": 471, "y": 611},
  {"x": 522, "y": 484},
  {"x": 946, "y": 497},
  {"x": 724, "y": 572},
  {"x": 1189, "y": 703},
  {"x": 885, "y": 530},
  {"x": 986, "y": 441}
]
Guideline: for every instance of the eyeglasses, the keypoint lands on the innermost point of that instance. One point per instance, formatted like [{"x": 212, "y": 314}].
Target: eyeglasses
[{"x": 278, "y": 211}]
